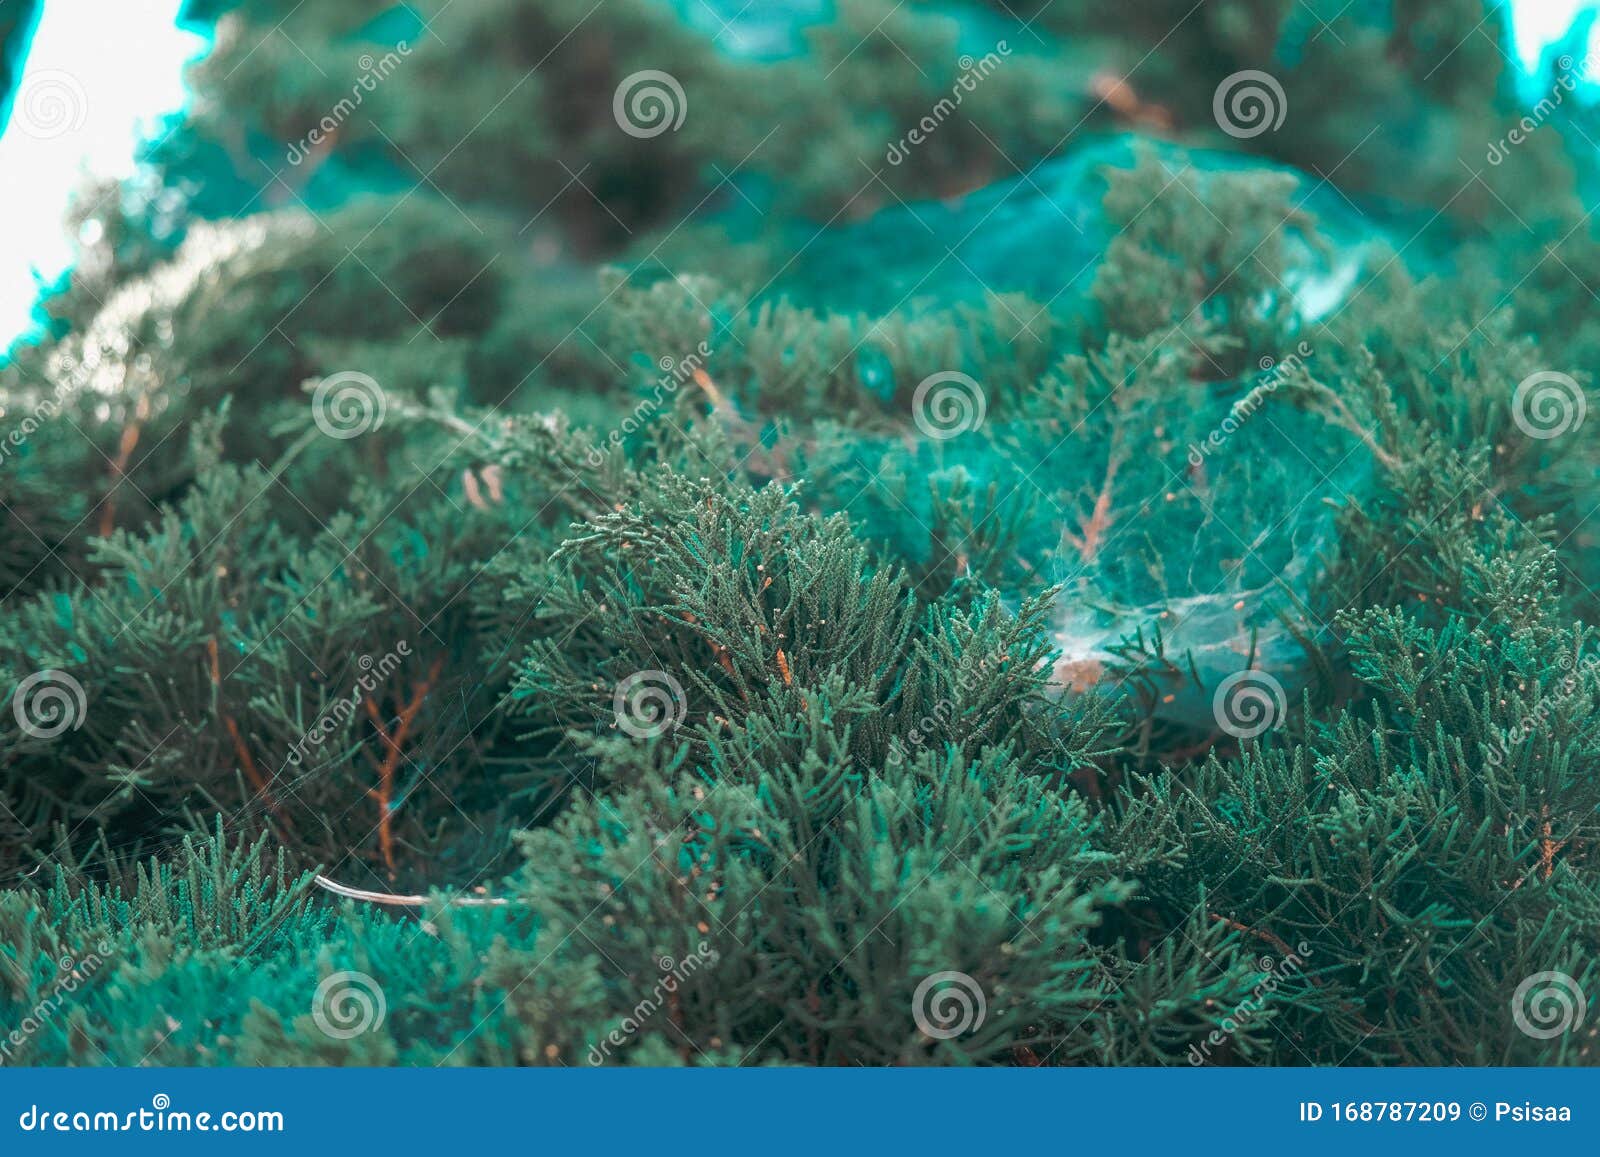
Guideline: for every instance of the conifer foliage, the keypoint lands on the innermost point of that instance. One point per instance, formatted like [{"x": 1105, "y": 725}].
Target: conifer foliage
[{"x": 533, "y": 536}]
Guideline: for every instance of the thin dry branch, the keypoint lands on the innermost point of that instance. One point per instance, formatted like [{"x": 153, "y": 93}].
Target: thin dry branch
[
  {"x": 397, "y": 901},
  {"x": 384, "y": 792},
  {"x": 252, "y": 772}
]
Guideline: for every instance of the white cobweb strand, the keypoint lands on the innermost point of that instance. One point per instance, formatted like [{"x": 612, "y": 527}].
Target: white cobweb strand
[{"x": 1217, "y": 635}]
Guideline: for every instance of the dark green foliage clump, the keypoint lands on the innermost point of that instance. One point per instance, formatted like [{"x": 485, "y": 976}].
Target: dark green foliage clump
[{"x": 695, "y": 701}]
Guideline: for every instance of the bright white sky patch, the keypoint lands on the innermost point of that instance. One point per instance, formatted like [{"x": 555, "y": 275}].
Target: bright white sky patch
[
  {"x": 1536, "y": 23},
  {"x": 99, "y": 73}
]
